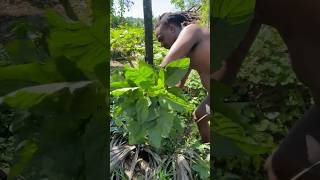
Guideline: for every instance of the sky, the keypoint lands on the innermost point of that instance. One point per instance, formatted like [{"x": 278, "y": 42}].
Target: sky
[{"x": 158, "y": 7}]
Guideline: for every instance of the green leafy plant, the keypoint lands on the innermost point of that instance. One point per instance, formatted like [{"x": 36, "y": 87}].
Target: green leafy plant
[
  {"x": 127, "y": 43},
  {"x": 61, "y": 102},
  {"x": 150, "y": 105}
]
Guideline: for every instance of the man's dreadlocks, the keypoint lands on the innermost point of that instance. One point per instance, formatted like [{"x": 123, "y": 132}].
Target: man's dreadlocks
[{"x": 182, "y": 18}]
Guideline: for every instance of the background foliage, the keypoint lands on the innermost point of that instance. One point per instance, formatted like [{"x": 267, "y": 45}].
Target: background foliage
[
  {"x": 274, "y": 99},
  {"x": 53, "y": 104}
]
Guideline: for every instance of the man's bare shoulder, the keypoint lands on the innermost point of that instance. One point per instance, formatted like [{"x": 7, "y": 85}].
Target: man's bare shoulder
[{"x": 196, "y": 30}]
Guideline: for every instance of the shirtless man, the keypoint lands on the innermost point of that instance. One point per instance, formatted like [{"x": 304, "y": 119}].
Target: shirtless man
[
  {"x": 298, "y": 23},
  {"x": 176, "y": 31}
]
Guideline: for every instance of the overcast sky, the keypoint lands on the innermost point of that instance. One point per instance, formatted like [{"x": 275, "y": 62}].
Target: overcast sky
[{"x": 158, "y": 7}]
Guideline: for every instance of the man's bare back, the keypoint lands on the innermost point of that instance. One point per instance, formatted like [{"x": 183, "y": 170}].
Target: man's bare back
[{"x": 200, "y": 57}]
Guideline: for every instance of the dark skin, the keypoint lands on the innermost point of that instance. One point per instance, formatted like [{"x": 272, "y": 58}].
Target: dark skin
[
  {"x": 298, "y": 23},
  {"x": 192, "y": 41}
]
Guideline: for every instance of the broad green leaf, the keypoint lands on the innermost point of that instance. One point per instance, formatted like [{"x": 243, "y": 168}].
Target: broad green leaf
[
  {"x": 234, "y": 11},
  {"x": 24, "y": 156},
  {"x": 28, "y": 97},
  {"x": 147, "y": 71},
  {"x": 78, "y": 42},
  {"x": 232, "y": 136},
  {"x": 172, "y": 102},
  {"x": 178, "y": 125},
  {"x": 165, "y": 122},
  {"x": 153, "y": 113},
  {"x": 142, "y": 108},
  {"x": 128, "y": 105},
  {"x": 131, "y": 111},
  {"x": 31, "y": 72},
  {"x": 176, "y": 91},
  {"x": 120, "y": 92},
  {"x": 119, "y": 84},
  {"x": 149, "y": 124},
  {"x": 233, "y": 111},
  {"x": 155, "y": 136},
  {"x": 19, "y": 76},
  {"x": 179, "y": 63},
  {"x": 131, "y": 74},
  {"x": 164, "y": 103},
  {"x": 202, "y": 167},
  {"x": 136, "y": 133},
  {"x": 59, "y": 69},
  {"x": 143, "y": 76},
  {"x": 128, "y": 102},
  {"x": 176, "y": 70},
  {"x": 24, "y": 100},
  {"x": 161, "y": 79}
]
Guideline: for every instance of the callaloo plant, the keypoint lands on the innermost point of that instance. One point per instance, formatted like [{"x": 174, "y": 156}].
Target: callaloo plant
[{"x": 150, "y": 102}]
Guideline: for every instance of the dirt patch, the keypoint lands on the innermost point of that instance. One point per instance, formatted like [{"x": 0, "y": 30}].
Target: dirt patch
[{"x": 115, "y": 64}]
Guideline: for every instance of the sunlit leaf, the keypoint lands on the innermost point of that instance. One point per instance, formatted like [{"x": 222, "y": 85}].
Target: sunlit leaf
[
  {"x": 176, "y": 70},
  {"x": 119, "y": 92}
]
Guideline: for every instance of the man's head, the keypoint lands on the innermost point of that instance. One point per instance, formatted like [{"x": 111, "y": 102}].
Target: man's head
[{"x": 169, "y": 25}]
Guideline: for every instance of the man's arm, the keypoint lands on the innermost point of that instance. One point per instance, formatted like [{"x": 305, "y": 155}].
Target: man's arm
[
  {"x": 187, "y": 38},
  {"x": 230, "y": 67}
]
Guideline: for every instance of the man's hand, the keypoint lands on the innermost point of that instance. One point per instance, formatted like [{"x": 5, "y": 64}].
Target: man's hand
[
  {"x": 216, "y": 75},
  {"x": 231, "y": 65},
  {"x": 162, "y": 65},
  {"x": 221, "y": 76},
  {"x": 180, "y": 84}
]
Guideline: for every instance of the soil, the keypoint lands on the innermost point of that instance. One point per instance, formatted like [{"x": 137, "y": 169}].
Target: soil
[{"x": 115, "y": 63}]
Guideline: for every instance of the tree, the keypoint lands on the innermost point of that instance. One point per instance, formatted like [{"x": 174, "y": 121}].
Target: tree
[{"x": 147, "y": 12}]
